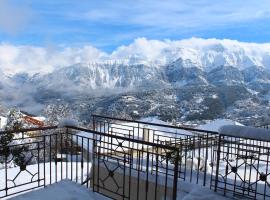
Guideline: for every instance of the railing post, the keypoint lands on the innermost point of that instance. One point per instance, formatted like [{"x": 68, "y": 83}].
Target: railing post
[
  {"x": 206, "y": 158},
  {"x": 175, "y": 180},
  {"x": 6, "y": 175},
  {"x": 218, "y": 160},
  {"x": 93, "y": 164}
]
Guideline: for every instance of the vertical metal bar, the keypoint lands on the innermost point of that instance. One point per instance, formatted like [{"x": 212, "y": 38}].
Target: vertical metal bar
[
  {"x": 266, "y": 173},
  {"x": 227, "y": 164},
  {"x": 138, "y": 175},
  {"x": 180, "y": 158},
  {"x": 56, "y": 168},
  {"x": 258, "y": 165},
  {"x": 156, "y": 173},
  {"x": 238, "y": 149},
  {"x": 147, "y": 175},
  {"x": 124, "y": 177},
  {"x": 94, "y": 163},
  {"x": 245, "y": 171},
  {"x": 82, "y": 162},
  {"x": 71, "y": 156},
  {"x": 166, "y": 178},
  {"x": 175, "y": 178},
  {"x": 77, "y": 144},
  {"x": 88, "y": 152},
  {"x": 61, "y": 146},
  {"x": 98, "y": 157},
  {"x": 250, "y": 173},
  {"x": 38, "y": 165},
  {"x": 206, "y": 159},
  {"x": 185, "y": 170},
  {"x": 50, "y": 157},
  {"x": 218, "y": 160},
  {"x": 44, "y": 160},
  {"x": 213, "y": 151},
  {"x": 6, "y": 173},
  {"x": 66, "y": 147},
  {"x": 129, "y": 181},
  {"x": 199, "y": 159},
  {"x": 192, "y": 157}
]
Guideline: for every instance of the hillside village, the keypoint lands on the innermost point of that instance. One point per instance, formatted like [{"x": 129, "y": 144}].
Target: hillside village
[{"x": 25, "y": 118}]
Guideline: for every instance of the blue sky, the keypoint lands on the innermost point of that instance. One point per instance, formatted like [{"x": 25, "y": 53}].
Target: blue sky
[{"x": 107, "y": 24}]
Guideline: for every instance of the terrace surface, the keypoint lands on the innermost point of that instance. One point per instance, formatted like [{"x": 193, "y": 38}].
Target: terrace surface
[
  {"x": 64, "y": 190},
  {"x": 124, "y": 159}
]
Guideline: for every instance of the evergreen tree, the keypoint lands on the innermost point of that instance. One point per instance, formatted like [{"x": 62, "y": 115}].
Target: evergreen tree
[{"x": 17, "y": 153}]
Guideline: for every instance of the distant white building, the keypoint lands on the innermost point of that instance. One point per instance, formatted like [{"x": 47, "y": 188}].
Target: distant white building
[{"x": 3, "y": 122}]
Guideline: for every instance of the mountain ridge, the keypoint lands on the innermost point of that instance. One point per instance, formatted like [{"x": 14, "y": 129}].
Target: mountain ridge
[{"x": 203, "y": 53}]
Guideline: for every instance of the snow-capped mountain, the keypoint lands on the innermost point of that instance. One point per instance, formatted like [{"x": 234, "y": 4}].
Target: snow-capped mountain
[
  {"x": 101, "y": 76},
  {"x": 199, "y": 73},
  {"x": 202, "y": 53}
]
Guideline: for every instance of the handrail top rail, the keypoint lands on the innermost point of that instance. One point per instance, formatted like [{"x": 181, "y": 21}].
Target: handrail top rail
[
  {"x": 123, "y": 138},
  {"x": 93, "y": 132},
  {"x": 155, "y": 124}
]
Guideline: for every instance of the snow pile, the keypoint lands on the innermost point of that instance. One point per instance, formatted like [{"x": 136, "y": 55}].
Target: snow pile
[
  {"x": 64, "y": 190},
  {"x": 191, "y": 191},
  {"x": 246, "y": 132},
  {"x": 215, "y": 125},
  {"x": 166, "y": 131}
]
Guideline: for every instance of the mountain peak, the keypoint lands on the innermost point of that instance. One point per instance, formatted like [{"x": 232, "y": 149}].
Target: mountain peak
[{"x": 207, "y": 53}]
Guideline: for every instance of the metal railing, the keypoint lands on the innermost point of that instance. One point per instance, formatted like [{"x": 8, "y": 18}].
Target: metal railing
[
  {"x": 115, "y": 166},
  {"x": 243, "y": 167},
  {"x": 125, "y": 159},
  {"x": 197, "y": 148},
  {"x": 232, "y": 166}
]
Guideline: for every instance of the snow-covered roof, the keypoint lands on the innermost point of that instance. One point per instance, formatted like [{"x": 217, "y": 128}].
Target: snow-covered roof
[
  {"x": 246, "y": 132},
  {"x": 215, "y": 125}
]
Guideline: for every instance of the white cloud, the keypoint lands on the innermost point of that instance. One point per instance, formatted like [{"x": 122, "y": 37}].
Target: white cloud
[
  {"x": 204, "y": 52},
  {"x": 13, "y": 17},
  {"x": 15, "y": 59}
]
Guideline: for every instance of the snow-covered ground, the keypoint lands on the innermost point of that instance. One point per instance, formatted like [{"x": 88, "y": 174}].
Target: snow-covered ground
[
  {"x": 70, "y": 190},
  {"x": 186, "y": 191},
  {"x": 52, "y": 174},
  {"x": 191, "y": 191},
  {"x": 64, "y": 190}
]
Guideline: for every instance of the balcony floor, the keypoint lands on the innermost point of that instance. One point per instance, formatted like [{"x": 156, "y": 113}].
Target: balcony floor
[{"x": 64, "y": 190}]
